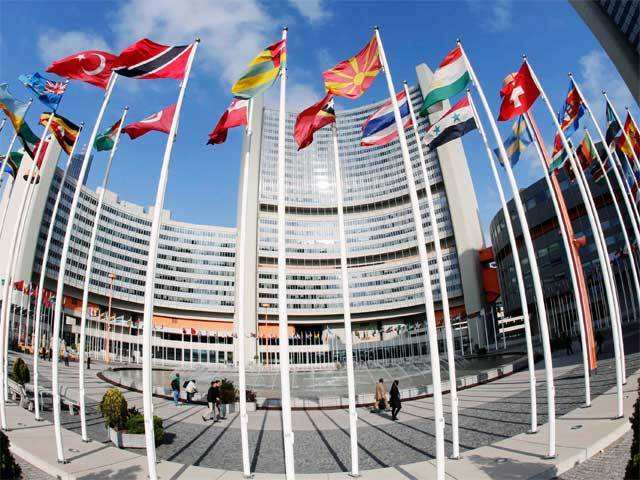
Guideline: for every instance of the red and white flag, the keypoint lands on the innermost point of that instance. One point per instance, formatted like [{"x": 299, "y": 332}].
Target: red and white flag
[
  {"x": 91, "y": 66},
  {"x": 234, "y": 116},
  {"x": 146, "y": 59},
  {"x": 160, "y": 122},
  {"x": 518, "y": 93}
]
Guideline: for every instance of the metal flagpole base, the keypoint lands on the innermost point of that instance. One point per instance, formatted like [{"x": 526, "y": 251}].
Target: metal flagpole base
[
  {"x": 549, "y": 457},
  {"x": 88, "y": 440},
  {"x": 457, "y": 457},
  {"x": 586, "y": 406},
  {"x": 63, "y": 462},
  {"x": 38, "y": 419},
  {"x": 532, "y": 432},
  {"x": 251, "y": 475},
  {"x": 354, "y": 475},
  {"x": 618, "y": 417}
]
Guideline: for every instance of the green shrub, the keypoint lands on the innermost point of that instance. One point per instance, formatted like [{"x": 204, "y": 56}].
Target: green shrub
[
  {"x": 113, "y": 408},
  {"x": 8, "y": 466},
  {"x": 228, "y": 393},
  {"x": 20, "y": 372},
  {"x": 633, "y": 467},
  {"x": 482, "y": 351},
  {"x": 135, "y": 425},
  {"x": 251, "y": 395}
]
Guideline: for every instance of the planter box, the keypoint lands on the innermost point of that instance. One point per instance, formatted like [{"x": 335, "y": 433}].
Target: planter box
[{"x": 126, "y": 440}]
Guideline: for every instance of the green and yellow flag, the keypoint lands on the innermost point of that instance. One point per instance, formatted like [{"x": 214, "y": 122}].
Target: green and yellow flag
[{"x": 263, "y": 71}]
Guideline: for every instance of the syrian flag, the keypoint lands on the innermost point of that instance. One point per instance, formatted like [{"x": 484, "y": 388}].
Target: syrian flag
[
  {"x": 453, "y": 124},
  {"x": 147, "y": 60},
  {"x": 160, "y": 122},
  {"x": 380, "y": 128},
  {"x": 234, "y": 116}
]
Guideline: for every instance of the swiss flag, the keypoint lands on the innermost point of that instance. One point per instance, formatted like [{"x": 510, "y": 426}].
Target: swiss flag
[
  {"x": 160, "y": 122},
  {"x": 91, "y": 66},
  {"x": 518, "y": 94}
]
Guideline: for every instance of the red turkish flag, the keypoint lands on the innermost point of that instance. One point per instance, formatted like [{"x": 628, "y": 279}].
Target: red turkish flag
[
  {"x": 518, "y": 94},
  {"x": 91, "y": 66},
  {"x": 160, "y": 122}
]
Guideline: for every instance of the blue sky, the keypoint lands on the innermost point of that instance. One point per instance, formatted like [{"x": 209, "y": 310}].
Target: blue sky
[{"x": 203, "y": 182}]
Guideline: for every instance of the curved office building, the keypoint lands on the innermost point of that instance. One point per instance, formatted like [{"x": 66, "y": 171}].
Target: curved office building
[{"x": 196, "y": 263}]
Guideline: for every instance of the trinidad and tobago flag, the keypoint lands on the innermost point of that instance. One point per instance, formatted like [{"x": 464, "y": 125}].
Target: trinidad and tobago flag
[{"x": 146, "y": 60}]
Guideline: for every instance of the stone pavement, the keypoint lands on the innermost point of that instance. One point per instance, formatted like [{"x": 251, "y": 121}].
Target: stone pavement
[
  {"x": 488, "y": 413},
  {"x": 610, "y": 463}
]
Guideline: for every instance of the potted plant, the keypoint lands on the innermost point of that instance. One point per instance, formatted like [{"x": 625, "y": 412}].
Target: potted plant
[
  {"x": 8, "y": 465},
  {"x": 126, "y": 426},
  {"x": 228, "y": 397},
  {"x": 20, "y": 372}
]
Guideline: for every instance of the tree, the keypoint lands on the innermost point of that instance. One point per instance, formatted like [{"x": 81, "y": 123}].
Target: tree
[
  {"x": 633, "y": 467},
  {"x": 8, "y": 466}
]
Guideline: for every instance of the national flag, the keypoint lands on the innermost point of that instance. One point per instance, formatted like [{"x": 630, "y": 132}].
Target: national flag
[
  {"x": 518, "y": 93},
  {"x": 453, "y": 124},
  {"x": 451, "y": 78},
  {"x": 380, "y": 128},
  {"x": 558, "y": 159},
  {"x": 106, "y": 139},
  {"x": 160, "y": 122},
  {"x": 613, "y": 126},
  {"x": 634, "y": 138},
  {"x": 19, "y": 285},
  {"x": 569, "y": 119},
  {"x": 262, "y": 72},
  {"x": 48, "y": 91},
  {"x": 91, "y": 66},
  {"x": 65, "y": 131},
  {"x": 312, "y": 119},
  {"x": 352, "y": 77},
  {"x": 146, "y": 59},
  {"x": 14, "y": 109},
  {"x": 517, "y": 142},
  {"x": 235, "y": 115},
  {"x": 586, "y": 152},
  {"x": 13, "y": 163},
  {"x": 597, "y": 173}
]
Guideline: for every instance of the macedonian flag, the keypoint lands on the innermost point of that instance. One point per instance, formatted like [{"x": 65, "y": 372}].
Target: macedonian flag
[{"x": 353, "y": 76}]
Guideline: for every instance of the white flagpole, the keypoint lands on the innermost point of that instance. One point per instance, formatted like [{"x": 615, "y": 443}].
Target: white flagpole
[
  {"x": 240, "y": 300},
  {"x": 443, "y": 284},
  {"x": 624, "y": 133},
  {"x": 604, "y": 260},
  {"x": 346, "y": 306},
  {"x": 57, "y": 314},
  {"x": 628, "y": 187},
  {"x": 634, "y": 271},
  {"x": 4, "y": 120},
  {"x": 518, "y": 270},
  {"x": 4, "y": 213},
  {"x": 87, "y": 278},
  {"x": 533, "y": 264},
  {"x": 147, "y": 380},
  {"x": 424, "y": 266},
  {"x": 43, "y": 270},
  {"x": 572, "y": 267},
  {"x": 12, "y": 260},
  {"x": 617, "y": 314},
  {"x": 285, "y": 388}
]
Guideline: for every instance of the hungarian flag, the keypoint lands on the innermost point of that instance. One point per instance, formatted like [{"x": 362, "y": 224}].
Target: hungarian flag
[
  {"x": 91, "y": 66},
  {"x": 313, "y": 118},
  {"x": 160, "y": 122},
  {"x": 234, "y": 116},
  {"x": 355, "y": 75},
  {"x": 146, "y": 60},
  {"x": 106, "y": 139},
  {"x": 634, "y": 138},
  {"x": 450, "y": 78},
  {"x": 65, "y": 131},
  {"x": 262, "y": 72},
  {"x": 518, "y": 93},
  {"x": 453, "y": 124}
]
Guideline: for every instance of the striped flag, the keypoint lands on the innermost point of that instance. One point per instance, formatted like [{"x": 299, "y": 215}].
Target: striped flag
[
  {"x": 146, "y": 59},
  {"x": 262, "y": 72},
  {"x": 63, "y": 129},
  {"x": 453, "y": 124},
  {"x": 451, "y": 78},
  {"x": 380, "y": 128},
  {"x": 517, "y": 142}
]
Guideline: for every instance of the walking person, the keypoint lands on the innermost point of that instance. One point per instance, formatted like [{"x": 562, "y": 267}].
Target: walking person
[
  {"x": 88, "y": 362},
  {"x": 394, "y": 400},
  {"x": 213, "y": 395},
  {"x": 175, "y": 389},
  {"x": 381, "y": 396},
  {"x": 65, "y": 356}
]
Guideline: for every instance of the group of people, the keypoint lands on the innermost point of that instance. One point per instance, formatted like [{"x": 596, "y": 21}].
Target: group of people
[
  {"x": 190, "y": 387},
  {"x": 385, "y": 400}
]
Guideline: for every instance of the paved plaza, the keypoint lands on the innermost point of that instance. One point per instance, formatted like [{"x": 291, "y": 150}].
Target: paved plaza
[{"x": 489, "y": 413}]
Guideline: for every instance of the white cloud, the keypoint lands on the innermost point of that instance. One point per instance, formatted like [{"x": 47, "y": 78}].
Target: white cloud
[
  {"x": 314, "y": 11},
  {"x": 597, "y": 73},
  {"x": 496, "y": 15},
  {"x": 54, "y": 45}
]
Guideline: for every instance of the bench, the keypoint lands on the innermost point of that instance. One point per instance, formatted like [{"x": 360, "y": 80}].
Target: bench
[
  {"x": 18, "y": 391},
  {"x": 69, "y": 398}
]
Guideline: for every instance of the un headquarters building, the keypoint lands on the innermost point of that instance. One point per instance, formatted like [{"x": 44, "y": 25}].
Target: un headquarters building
[{"x": 195, "y": 279}]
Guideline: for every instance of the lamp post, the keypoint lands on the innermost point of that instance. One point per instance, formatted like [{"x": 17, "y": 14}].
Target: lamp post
[{"x": 112, "y": 277}]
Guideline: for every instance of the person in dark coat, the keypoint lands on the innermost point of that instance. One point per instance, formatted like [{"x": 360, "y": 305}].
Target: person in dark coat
[
  {"x": 213, "y": 399},
  {"x": 394, "y": 400}
]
